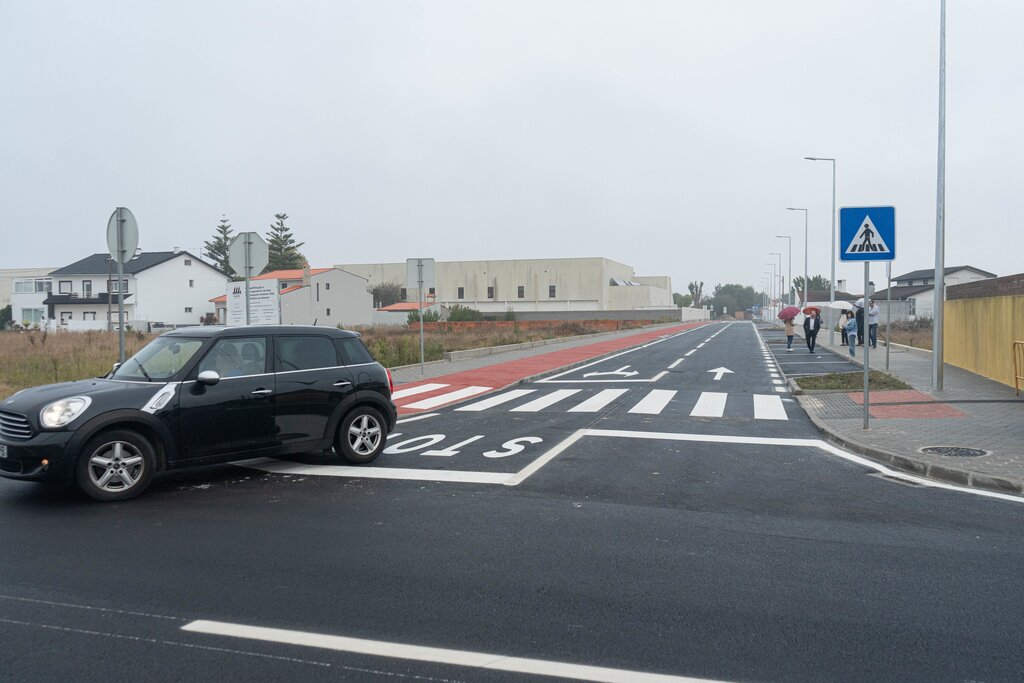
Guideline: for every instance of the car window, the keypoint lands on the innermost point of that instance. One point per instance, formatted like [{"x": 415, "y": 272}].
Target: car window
[
  {"x": 236, "y": 357},
  {"x": 161, "y": 359},
  {"x": 305, "y": 353},
  {"x": 353, "y": 351}
]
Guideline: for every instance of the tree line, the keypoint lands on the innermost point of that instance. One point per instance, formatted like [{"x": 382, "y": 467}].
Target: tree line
[{"x": 732, "y": 297}]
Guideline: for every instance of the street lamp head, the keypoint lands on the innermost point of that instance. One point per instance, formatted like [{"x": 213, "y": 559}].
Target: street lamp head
[
  {"x": 783, "y": 237},
  {"x": 790, "y": 208}
]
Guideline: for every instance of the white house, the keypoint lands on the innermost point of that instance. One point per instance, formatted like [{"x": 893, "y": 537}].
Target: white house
[
  {"x": 159, "y": 288},
  {"x": 918, "y": 287},
  {"x": 322, "y": 296},
  {"x": 26, "y": 289}
]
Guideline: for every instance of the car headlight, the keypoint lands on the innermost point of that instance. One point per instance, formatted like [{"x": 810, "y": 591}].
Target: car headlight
[{"x": 62, "y": 412}]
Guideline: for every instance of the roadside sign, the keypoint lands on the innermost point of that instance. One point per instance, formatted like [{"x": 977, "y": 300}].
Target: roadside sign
[
  {"x": 259, "y": 254},
  {"x": 867, "y": 233},
  {"x": 414, "y": 274},
  {"x": 129, "y": 235},
  {"x": 264, "y": 307}
]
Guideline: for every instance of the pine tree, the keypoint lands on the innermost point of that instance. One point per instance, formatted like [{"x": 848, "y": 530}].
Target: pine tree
[
  {"x": 284, "y": 251},
  {"x": 217, "y": 248}
]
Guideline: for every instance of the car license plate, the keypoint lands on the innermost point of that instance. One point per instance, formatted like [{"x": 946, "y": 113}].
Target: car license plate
[{"x": 3, "y": 451}]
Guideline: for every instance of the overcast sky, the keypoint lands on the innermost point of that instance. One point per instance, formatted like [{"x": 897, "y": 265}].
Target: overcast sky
[{"x": 666, "y": 135}]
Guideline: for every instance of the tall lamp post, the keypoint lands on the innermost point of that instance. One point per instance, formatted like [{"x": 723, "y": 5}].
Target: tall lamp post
[
  {"x": 782, "y": 278},
  {"x": 789, "y": 241},
  {"x": 789, "y": 208},
  {"x": 940, "y": 214},
  {"x": 774, "y": 283},
  {"x": 832, "y": 257}
]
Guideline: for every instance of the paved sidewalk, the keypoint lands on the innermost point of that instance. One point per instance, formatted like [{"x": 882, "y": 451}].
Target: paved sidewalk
[{"x": 972, "y": 412}]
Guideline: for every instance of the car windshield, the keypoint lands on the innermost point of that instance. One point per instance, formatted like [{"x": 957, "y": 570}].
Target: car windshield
[{"x": 159, "y": 360}]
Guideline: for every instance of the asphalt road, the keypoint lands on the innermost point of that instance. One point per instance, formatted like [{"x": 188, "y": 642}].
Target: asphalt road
[{"x": 664, "y": 522}]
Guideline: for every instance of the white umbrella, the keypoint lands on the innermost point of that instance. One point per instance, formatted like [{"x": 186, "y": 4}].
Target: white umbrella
[
  {"x": 859, "y": 303},
  {"x": 839, "y": 305}
]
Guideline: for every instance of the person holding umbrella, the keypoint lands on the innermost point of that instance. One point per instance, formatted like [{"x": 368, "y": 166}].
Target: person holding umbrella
[
  {"x": 812, "y": 323},
  {"x": 786, "y": 315}
]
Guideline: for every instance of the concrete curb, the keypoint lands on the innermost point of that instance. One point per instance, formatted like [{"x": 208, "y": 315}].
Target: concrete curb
[{"x": 906, "y": 463}]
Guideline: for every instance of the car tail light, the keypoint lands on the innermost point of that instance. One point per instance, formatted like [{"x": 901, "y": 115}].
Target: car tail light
[{"x": 391, "y": 382}]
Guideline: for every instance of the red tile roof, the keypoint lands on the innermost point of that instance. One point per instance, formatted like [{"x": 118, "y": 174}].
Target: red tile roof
[
  {"x": 405, "y": 306},
  {"x": 220, "y": 299},
  {"x": 291, "y": 289},
  {"x": 294, "y": 274}
]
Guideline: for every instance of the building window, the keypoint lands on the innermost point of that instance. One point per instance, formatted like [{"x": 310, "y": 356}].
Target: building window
[
  {"x": 328, "y": 312},
  {"x": 32, "y": 315},
  {"x": 89, "y": 315},
  {"x": 65, "y": 316},
  {"x": 327, "y": 285},
  {"x": 87, "y": 289},
  {"x": 913, "y": 307},
  {"x": 64, "y": 287},
  {"x": 402, "y": 293},
  {"x": 188, "y": 262},
  {"x": 191, "y": 283},
  {"x": 461, "y": 293},
  {"x": 188, "y": 309},
  {"x": 490, "y": 292},
  {"x": 431, "y": 291},
  {"x": 284, "y": 285},
  {"x": 551, "y": 291},
  {"x": 521, "y": 291}
]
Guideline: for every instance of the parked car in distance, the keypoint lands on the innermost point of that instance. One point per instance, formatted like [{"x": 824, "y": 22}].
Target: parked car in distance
[{"x": 198, "y": 396}]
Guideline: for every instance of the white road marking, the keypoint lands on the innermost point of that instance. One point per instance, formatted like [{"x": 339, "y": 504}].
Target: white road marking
[
  {"x": 675, "y": 364},
  {"x": 416, "y": 417},
  {"x": 769, "y": 407},
  {"x": 554, "y": 378},
  {"x": 710, "y": 404},
  {"x": 450, "y": 397},
  {"x": 497, "y": 400},
  {"x": 700, "y": 345},
  {"x": 782, "y": 390},
  {"x": 452, "y": 476},
  {"x": 437, "y": 655},
  {"x": 598, "y": 401},
  {"x": 412, "y": 391},
  {"x": 654, "y": 402},
  {"x": 545, "y": 401},
  {"x": 777, "y": 381},
  {"x": 690, "y": 352}
]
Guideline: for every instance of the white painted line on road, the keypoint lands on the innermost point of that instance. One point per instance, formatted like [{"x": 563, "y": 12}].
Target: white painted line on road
[
  {"x": 545, "y": 401},
  {"x": 598, "y": 401},
  {"x": 654, "y": 402},
  {"x": 453, "y": 476},
  {"x": 675, "y": 364},
  {"x": 690, "y": 352},
  {"x": 700, "y": 345},
  {"x": 412, "y": 391},
  {"x": 782, "y": 390},
  {"x": 450, "y": 397},
  {"x": 710, "y": 404},
  {"x": 769, "y": 407},
  {"x": 435, "y": 655},
  {"x": 497, "y": 400},
  {"x": 777, "y": 381},
  {"x": 416, "y": 417},
  {"x": 525, "y": 473},
  {"x": 554, "y": 378}
]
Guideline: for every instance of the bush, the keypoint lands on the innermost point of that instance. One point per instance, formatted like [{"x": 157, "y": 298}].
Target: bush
[
  {"x": 428, "y": 317},
  {"x": 461, "y": 313}
]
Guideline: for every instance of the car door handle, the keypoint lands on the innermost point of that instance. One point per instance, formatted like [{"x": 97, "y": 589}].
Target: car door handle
[
  {"x": 262, "y": 392},
  {"x": 342, "y": 383}
]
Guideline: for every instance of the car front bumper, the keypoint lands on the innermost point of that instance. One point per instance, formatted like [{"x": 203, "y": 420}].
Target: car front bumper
[{"x": 41, "y": 458}]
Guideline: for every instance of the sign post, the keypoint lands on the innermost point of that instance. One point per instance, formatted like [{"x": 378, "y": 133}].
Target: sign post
[
  {"x": 419, "y": 273},
  {"x": 248, "y": 254},
  {"x": 867, "y": 234},
  {"x": 122, "y": 241}
]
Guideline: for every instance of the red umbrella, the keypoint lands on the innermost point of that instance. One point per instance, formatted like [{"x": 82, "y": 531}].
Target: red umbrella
[
  {"x": 812, "y": 309},
  {"x": 788, "y": 313}
]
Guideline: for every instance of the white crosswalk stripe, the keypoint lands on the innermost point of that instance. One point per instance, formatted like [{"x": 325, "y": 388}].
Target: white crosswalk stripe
[
  {"x": 654, "y": 402},
  {"x": 710, "y": 404},
  {"x": 598, "y": 401},
  {"x": 769, "y": 407},
  {"x": 450, "y": 397},
  {"x": 545, "y": 401},
  {"x": 412, "y": 391},
  {"x": 497, "y": 400}
]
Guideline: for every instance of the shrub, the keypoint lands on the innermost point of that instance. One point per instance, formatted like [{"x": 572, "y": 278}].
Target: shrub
[{"x": 461, "y": 313}]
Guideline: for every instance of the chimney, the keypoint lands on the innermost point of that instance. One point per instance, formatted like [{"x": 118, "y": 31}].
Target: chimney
[
  {"x": 305, "y": 275},
  {"x": 176, "y": 249}
]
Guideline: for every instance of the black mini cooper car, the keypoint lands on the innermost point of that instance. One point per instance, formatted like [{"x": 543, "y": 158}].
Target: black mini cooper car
[{"x": 198, "y": 396}]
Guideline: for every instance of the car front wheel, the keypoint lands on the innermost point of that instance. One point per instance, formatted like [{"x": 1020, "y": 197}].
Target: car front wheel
[
  {"x": 361, "y": 436},
  {"x": 115, "y": 465}
]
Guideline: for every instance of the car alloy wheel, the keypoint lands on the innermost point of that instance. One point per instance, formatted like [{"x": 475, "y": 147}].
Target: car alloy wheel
[
  {"x": 116, "y": 465},
  {"x": 361, "y": 436}
]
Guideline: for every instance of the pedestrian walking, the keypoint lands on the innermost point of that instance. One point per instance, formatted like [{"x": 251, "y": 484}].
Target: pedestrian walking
[
  {"x": 812, "y": 324},
  {"x": 851, "y": 332},
  {"x": 873, "y": 323},
  {"x": 842, "y": 324},
  {"x": 789, "y": 335},
  {"x": 860, "y": 324}
]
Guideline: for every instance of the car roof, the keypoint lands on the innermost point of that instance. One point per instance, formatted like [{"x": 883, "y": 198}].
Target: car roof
[{"x": 208, "y": 331}]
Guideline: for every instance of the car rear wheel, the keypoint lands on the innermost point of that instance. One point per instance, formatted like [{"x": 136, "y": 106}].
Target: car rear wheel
[
  {"x": 361, "y": 435},
  {"x": 115, "y": 465}
]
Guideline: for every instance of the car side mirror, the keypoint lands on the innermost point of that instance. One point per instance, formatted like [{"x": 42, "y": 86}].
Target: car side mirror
[
  {"x": 115, "y": 367},
  {"x": 208, "y": 377}
]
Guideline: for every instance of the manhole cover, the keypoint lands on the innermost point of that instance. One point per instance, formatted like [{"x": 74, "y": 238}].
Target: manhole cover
[{"x": 954, "y": 451}]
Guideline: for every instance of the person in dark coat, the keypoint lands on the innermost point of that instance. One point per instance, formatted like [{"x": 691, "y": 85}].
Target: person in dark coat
[
  {"x": 812, "y": 324},
  {"x": 860, "y": 326}
]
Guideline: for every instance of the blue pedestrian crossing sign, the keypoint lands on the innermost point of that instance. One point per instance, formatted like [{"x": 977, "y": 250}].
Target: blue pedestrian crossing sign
[{"x": 867, "y": 233}]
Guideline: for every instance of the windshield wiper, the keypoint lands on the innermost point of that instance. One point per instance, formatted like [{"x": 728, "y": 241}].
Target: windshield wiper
[{"x": 148, "y": 378}]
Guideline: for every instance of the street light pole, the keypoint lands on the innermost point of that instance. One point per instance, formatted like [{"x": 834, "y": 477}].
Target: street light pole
[
  {"x": 782, "y": 278},
  {"x": 940, "y": 214},
  {"x": 832, "y": 258},
  {"x": 788, "y": 208},
  {"x": 789, "y": 291},
  {"x": 774, "y": 282}
]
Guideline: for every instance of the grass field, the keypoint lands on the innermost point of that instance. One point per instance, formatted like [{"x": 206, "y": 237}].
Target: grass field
[{"x": 32, "y": 358}]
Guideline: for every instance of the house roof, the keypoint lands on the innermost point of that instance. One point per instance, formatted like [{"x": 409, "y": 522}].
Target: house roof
[
  {"x": 291, "y": 289},
  {"x": 97, "y": 263},
  {"x": 406, "y": 306},
  {"x": 930, "y": 272},
  {"x": 101, "y": 299},
  {"x": 823, "y": 295},
  {"x": 223, "y": 298},
  {"x": 293, "y": 274},
  {"x": 903, "y": 292}
]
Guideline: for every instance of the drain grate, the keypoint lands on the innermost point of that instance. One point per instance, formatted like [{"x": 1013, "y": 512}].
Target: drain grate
[{"x": 954, "y": 451}]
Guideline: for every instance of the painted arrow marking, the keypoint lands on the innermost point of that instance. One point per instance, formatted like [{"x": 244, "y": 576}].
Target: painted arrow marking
[
  {"x": 720, "y": 371},
  {"x": 621, "y": 372}
]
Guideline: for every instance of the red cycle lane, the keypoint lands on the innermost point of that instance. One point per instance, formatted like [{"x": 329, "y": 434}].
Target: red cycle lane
[{"x": 437, "y": 392}]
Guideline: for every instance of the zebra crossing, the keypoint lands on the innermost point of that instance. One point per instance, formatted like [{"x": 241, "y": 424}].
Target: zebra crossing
[{"x": 708, "y": 404}]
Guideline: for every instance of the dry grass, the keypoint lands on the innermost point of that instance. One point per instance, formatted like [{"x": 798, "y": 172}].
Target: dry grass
[
  {"x": 917, "y": 333},
  {"x": 29, "y": 359}
]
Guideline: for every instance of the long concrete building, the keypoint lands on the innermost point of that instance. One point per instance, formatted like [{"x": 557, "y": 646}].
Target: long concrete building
[{"x": 531, "y": 285}]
